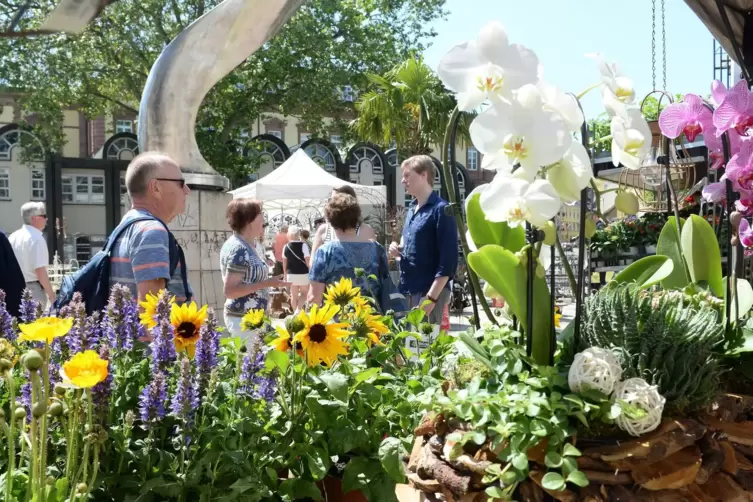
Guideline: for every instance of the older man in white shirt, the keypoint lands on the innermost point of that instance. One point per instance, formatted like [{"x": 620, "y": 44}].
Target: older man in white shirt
[{"x": 31, "y": 252}]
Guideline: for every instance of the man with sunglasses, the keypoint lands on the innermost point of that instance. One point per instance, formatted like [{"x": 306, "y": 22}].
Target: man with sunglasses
[
  {"x": 146, "y": 257},
  {"x": 31, "y": 252}
]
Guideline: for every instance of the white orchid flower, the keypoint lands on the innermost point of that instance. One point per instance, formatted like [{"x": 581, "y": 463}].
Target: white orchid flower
[
  {"x": 520, "y": 132},
  {"x": 564, "y": 104},
  {"x": 487, "y": 68},
  {"x": 571, "y": 174},
  {"x": 631, "y": 139},
  {"x": 617, "y": 90},
  {"x": 516, "y": 201}
]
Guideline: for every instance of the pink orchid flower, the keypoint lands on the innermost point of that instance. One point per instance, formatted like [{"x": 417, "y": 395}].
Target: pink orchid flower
[
  {"x": 718, "y": 92},
  {"x": 740, "y": 167},
  {"x": 714, "y": 144},
  {"x": 714, "y": 192},
  {"x": 745, "y": 233},
  {"x": 745, "y": 204},
  {"x": 690, "y": 117},
  {"x": 735, "y": 111}
]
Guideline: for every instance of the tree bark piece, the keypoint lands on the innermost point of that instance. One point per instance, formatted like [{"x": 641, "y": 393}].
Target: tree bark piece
[
  {"x": 607, "y": 478},
  {"x": 590, "y": 493},
  {"x": 730, "y": 407},
  {"x": 713, "y": 458},
  {"x": 432, "y": 467},
  {"x": 737, "y": 432},
  {"x": 744, "y": 474},
  {"x": 426, "y": 427},
  {"x": 722, "y": 487},
  {"x": 730, "y": 458},
  {"x": 531, "y": 492},
  {"x": 594, "y": 464},
  {"x": 677, "y": 470},
  {"x": 562, "y": 495},
  {"x": 671, "y": 437},
  {"x": 415, "y": 454},
  {"x": 425, "y": 485},
  {"x": 696, "y": 494}
]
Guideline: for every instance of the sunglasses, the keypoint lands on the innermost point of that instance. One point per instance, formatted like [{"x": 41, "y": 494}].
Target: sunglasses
[{"x": 180, "y": 181}]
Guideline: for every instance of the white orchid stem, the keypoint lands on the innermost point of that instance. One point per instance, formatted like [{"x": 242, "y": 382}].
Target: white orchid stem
[
  {"x": 459, "y": 220},
  {"x": 587, "y": 90},
  {"x": 598, "y": 201}
]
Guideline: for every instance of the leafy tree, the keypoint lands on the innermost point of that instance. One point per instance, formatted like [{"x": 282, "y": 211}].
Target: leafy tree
[
  {"x": 408, "y": 104},
  {"x": 328, "y": 44}
]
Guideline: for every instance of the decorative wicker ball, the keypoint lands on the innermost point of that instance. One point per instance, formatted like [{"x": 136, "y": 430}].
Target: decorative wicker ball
[
  {"x": 638, "y": 392},
  {"x": 594, "y": 368}
]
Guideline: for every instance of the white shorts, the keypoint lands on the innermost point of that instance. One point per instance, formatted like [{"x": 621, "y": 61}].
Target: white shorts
[{"x": 298, "y": 279}]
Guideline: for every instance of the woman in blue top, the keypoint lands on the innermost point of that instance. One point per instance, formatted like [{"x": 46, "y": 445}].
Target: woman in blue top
[
  {"x": 244, "y": 273},
  {"x": 339, "y": 258}
]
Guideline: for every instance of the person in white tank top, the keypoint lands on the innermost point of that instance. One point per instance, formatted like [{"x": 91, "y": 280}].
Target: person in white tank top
[{"x": 326, "y": 233}]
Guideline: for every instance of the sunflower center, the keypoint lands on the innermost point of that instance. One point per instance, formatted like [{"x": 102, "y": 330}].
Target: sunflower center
[
  {"x": 186, "y": 330},
  {"x": 317, "y": 333}
]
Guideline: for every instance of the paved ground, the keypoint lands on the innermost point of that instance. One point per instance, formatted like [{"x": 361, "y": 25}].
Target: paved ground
[{"x": 459, "y": 322}]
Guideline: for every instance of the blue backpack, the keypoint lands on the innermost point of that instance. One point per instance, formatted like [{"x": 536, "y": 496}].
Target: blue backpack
[{"x": 93, "y": 280}]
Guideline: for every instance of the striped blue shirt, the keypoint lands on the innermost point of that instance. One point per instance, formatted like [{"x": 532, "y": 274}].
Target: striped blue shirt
[{"x": 141, "y": 254}]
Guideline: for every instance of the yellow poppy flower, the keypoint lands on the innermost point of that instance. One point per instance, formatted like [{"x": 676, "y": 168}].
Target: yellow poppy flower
[
  {"x": 45, "y": 329},
  {"x": 186, "y": 321},
  {"x": 253, "y": 319},
  {"x": 321, "y": 339},
  {"x": 149, "y": 316},
  {"x": 341, "y": 293},
  {"x": 557, "y": 318},
  {"x": 84, "y": 370}
]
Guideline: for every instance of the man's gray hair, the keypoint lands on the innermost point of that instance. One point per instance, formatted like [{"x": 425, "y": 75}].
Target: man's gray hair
[
  {"x": 30, "y": 210},
  {"x": 142, "y": 169}
]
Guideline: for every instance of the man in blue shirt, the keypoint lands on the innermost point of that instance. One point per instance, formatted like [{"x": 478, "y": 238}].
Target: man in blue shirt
[{"x": 428, "y": 249}]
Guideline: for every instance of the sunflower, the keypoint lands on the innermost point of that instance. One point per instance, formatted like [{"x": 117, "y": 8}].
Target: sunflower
[
  {"x": 149, "y": 316},
  {"x": 341, "y": 293},
  {"x": 45, "y": 329},
  {"x": 84, "y": 370},
  {"x": 283, "y": 342},
  {"x": 322, "y": 342},
  {"x": 187, "y": 320},
  {"x": 557, "y": 317},
  {"x": 374, "y": 327},
  {"x": 254, "y": 319}
]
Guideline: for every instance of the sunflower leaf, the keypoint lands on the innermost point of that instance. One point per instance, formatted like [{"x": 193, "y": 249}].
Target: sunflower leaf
[
  {"x": 337, "y": 383},
  {"x": 277, "y": 360}
]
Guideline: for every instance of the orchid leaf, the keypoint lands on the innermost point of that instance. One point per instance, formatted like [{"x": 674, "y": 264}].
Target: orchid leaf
[
  {"x": 485, "y": 232},
  {"x": 646, "y": 272},
  {"x": 669, "y": 246},
  {"x": 506, "y": 274},
  {"x": 744, "y": 303},
  {"x": 700, "y": 248}
]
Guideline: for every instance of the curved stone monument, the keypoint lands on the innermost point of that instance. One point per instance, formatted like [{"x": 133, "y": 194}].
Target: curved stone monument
[{"x": 199, "y": 57}]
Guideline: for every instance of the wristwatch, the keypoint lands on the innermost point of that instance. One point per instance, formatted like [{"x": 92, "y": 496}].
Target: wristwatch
[{"x": 432, "y": 300}]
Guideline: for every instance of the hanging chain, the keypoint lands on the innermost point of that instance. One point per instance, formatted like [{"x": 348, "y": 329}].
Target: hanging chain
[
  {"x": 653, "y": 43},
  {"x": 664, "y": 47}
]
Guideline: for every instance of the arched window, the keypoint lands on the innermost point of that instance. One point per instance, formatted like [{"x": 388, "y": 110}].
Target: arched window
[
  {"x": 322, "y": 156},
  {"x": 122, "y": 146},
  {"x": 271, "y": 151},
  {"x": 12, "y": 136},
  {"x": 365, "y": 159}
]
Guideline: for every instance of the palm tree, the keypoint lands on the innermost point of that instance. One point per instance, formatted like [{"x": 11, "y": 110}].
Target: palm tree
[{"x": 407, "y": 105}]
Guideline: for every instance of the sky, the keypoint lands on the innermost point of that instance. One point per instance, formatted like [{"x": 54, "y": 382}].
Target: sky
[{"x": 561, "y": 32}]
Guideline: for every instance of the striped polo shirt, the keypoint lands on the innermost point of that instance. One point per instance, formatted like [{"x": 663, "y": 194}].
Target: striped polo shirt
[{"x": 141, "y": 254}]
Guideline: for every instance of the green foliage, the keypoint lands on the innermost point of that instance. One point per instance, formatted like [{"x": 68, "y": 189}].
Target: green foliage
[
  {"x": 645, "y": 272},
  {"x": 700, "y": 249},
  {"x": 408, "y": 105},
  {"x": 512, "y": 406},
  {"x": 484, "y": 232},
  {"x": 507, "y": 274},
  {"x": 667, "y": 338},
  {"x": 327, "y": 45}
]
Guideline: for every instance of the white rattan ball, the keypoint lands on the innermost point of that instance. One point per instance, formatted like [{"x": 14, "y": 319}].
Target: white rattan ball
[
  {"x": 594, "y": 368},
  {"x": 638, "y": 392}
]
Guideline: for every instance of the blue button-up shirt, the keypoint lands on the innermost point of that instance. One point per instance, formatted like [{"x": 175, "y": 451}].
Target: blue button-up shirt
[{"x": 430, "y": 246}]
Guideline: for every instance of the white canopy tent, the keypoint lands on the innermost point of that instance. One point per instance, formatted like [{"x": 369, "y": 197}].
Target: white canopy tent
[{"x": 300, "y": 185}]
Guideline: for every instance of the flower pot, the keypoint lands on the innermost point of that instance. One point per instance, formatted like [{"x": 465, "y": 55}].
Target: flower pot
[
  {"x": 600, "y": 264},
  {"x": 633, "y": 251},
  {"x": 332, "y": 491},
  {"x": 650, "y": 249}
]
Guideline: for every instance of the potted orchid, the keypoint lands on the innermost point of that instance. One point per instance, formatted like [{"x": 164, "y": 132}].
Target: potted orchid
[{"x": 526, "y": 135}]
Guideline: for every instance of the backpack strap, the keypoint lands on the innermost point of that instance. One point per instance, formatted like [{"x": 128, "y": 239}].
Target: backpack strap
[{"x": 177, "y": 257}]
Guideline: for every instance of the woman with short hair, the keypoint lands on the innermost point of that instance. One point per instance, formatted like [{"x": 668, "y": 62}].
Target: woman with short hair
[
  {"x": 350, "y": 250},
  {"x": 295, "y": 265},
  {"x": 244, "y": 273},
  {"x": 326, "y": 232}
]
